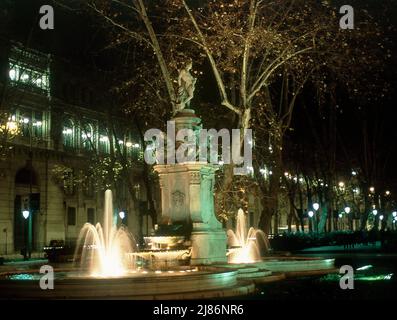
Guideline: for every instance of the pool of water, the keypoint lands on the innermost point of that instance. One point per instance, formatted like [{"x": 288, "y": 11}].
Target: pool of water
[{"x": 375, "y": 278}]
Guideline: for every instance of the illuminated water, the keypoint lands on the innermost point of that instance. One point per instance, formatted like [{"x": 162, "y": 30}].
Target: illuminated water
[
  {"x": 102, "y": 250},
  {"x": 375, "y": 278},
  {"x": 245, "y": 244}
]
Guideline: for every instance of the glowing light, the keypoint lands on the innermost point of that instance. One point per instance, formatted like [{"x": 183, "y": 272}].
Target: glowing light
[
  {"x": 310, "y": 213},
  {"x": 13, "y": 74},
  {"x": 381, "y": 217},
  {"x": 374, "y": 212},
  {"x": 103, "y": 139},
  {"x": 340, "y": 215},
  {"x": 244, "y": 242},
  {"x": 86, "y": 135},
  {"x": 394, "y": 214},
  {"x": 354, "y": 173},
  {"x": 387, "y": 193},
  {"x": 365, "y": 267},
  {"x": 67, "y": 131},
  {"x": 25, "y": 214},
  {"x": 129, "y": 144},
  {"x": 377, "y": 277},
  {"x": 347, "y": 210},
  {"x": 372, "y": 189},
  {"x": 107, "y": 258},
  {"x": 12, "y": 127},
  {"x": 25, "y": 120},
  {"x": 341, "y": 184},
  {"x": 122, "y": 215},
  {"x": 316, "y": 206},
  {"x": 136, "y": 145}
]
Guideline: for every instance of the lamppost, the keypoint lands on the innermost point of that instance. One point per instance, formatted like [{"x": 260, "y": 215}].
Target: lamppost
[
  {"x": 5, "y": 231},
  {"x": 340, "y": 215},
  {"x": 311, "y": 214},
  {"x": 381, "y": 221},
  {"x": 347, "y": 211},
  {"x": 26, "y": 214},
  {"x": 316, "y": 206},
  {"x": 375, "y": 213},
  {"x": 394, "y": 219}
]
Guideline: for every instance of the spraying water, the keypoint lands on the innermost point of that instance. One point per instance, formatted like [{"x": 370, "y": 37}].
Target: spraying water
[
  {"x": 104, "y": 250},
  {"x": 245, "y": 244}
]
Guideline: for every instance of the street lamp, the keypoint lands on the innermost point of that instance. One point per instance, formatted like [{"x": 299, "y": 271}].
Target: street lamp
[
  {"x": 25, "y": 214},
  {"x": 311, "y": 214}
]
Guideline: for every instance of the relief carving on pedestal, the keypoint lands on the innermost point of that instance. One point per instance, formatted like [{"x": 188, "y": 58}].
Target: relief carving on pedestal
[
  {"x": 178, "y": 199},
  {"x": 195, "y": 177}
]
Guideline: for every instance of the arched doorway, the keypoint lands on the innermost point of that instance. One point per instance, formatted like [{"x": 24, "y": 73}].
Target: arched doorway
[{"x": 27, "y": 198}]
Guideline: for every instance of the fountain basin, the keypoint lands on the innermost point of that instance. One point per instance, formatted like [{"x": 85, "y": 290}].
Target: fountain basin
[{"x": 182, "y": 283}]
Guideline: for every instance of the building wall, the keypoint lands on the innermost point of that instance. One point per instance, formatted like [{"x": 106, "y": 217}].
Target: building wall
[{"x": 51, "y": 221}]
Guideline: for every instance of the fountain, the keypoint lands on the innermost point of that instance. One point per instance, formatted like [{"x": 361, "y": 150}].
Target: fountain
[
  {"x": 102, "y": 251},
  {"x": 245, "y": 245},
  {"x": 194, "y": 266}
]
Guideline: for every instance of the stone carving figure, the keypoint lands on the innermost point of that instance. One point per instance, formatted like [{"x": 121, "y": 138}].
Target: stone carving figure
[{"x": 186, "y": 87}]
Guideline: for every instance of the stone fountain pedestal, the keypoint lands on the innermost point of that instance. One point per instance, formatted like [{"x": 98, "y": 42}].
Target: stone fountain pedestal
[{"x": 187, "y": 193}]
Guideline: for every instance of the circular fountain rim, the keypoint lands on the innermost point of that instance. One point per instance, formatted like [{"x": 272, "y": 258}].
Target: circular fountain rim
[{"x": 210, "y": 283}]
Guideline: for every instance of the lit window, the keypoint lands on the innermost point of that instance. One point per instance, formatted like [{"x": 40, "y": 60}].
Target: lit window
[
  {"x": 87, "y": 137},
  {"x": 68, "y": 134},
  {"x": 104, "y": 145},
  {"x": 29, "y": 68}
]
